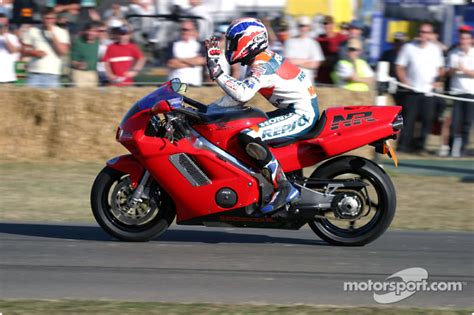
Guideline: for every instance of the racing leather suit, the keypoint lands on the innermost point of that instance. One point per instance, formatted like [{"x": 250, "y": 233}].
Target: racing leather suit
[{"x": 286, "y": 87}]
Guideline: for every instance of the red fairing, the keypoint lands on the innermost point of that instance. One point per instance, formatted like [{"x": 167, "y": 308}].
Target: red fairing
[
  {"x": 346, "y": 129},
  {"x": 191, "y": 201},
  {"x": 128, "y": 164},
  {"x": 221, "y": 134}
]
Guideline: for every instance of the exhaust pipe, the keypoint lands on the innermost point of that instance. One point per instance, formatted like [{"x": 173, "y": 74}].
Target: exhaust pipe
[{"x": 397, "y": 124}]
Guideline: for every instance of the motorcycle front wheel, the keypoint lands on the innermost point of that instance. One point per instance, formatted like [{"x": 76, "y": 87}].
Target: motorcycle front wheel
[
  {"x": 377, "y": 202},
  {"x": 110, "y": 194}
]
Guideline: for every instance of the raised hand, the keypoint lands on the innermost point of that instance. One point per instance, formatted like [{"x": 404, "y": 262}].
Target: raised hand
[
  {"x": 213, "y": 53},
  {"x": 212, "y": 48}
]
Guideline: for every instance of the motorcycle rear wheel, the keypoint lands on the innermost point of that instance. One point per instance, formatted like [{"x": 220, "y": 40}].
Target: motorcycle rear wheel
[
  {"x": 110, "y": 190},
  {"x": 382, "y": 201}
]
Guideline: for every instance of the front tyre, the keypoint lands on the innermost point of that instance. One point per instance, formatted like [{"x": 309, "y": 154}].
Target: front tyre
[
  {"x": 378, "y": 200},
  {"x": 109, "y": 199}
]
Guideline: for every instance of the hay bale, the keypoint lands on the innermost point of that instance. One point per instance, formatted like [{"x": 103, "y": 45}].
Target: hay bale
[{"x": 79, "y": 124}]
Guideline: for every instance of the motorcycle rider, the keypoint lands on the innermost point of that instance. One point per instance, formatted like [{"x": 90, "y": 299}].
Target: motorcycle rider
[{"x": 282, "y": 83}]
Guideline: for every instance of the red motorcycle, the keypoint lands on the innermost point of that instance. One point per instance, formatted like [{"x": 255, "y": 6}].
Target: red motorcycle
[{"x": 186, "y": 162}]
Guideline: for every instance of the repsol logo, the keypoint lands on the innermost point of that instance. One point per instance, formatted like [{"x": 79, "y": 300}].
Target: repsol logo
[
  {"x": 351, "y": 119},
  {"x": 282, "y": 130}
]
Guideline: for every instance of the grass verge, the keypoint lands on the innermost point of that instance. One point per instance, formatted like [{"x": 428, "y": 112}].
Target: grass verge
[
  {"x": 56, "y": 307},
  {"x": 60, "y": 192}
]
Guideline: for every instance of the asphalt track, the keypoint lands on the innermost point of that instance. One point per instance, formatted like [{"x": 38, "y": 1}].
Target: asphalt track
[{"x": 196, "y": 264}]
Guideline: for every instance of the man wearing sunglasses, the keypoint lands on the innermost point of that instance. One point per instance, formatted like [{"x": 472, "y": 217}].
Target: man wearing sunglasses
[
  {"x": 186, "y": 56},
  {"x": 419, "y": 65},
  {"x": 330, "y": 43}
]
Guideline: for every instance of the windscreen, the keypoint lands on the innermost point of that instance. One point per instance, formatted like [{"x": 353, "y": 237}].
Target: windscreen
[{"x": 165, "y": 92}]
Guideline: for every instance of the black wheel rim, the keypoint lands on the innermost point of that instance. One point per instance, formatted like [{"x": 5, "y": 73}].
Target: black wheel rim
[{"x": 329, "y": 227}]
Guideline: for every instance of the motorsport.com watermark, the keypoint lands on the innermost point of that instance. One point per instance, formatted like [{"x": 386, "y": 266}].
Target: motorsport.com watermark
[{"x": 412, "y": 280}]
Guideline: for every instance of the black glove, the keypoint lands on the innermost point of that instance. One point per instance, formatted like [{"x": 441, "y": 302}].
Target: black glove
[{"x": 212, "y": 55}]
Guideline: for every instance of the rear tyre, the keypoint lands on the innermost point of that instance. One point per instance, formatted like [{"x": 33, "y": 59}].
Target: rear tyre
[
  {"x": 380, "y": 200},
  {"x": 110, "y": 193}
]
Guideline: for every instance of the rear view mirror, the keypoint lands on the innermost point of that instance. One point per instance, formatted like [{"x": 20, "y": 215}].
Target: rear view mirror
[
  {"x": 178, "y": 87},
  {"x": 183, "y": 88}
]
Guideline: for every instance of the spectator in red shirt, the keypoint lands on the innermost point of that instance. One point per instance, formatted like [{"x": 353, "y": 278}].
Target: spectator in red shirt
[
  {"x": 329, "y": 42},
  {"x": 123, "y": 60}
]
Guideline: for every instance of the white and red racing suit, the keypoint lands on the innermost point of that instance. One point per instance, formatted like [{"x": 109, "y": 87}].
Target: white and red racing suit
[{"x": 285, "y": 86}]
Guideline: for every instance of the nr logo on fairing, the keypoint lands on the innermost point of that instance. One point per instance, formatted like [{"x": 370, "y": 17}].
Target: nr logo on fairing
[{"x": 351, "y": 119}]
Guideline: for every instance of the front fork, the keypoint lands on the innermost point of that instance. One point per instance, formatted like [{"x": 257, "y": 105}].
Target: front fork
[{"x": 139, "y": 193}]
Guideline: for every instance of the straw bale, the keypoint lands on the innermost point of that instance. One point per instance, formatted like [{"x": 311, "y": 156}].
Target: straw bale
[{"x": 79, "y": 124}]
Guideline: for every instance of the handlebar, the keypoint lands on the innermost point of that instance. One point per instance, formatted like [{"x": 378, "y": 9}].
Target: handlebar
[
  {"x": 200, "y": 106},
  {"x": 188, "y": 113}
]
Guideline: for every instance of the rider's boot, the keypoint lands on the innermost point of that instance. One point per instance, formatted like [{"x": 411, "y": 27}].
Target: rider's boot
[{"x": 285, "y": 193}]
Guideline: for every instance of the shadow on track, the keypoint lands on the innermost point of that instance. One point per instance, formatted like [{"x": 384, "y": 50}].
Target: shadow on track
[{"x": 92, "y": 233}]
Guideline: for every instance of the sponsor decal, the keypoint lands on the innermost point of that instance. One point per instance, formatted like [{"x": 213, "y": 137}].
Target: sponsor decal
[
  {"x": 351, "y": 119},
  {"x": 278, "y": 58},
  {"x": 257, "y": 71},
  {"x": 249, "y": 83},
  {"x": 282, "y": 130},
  {"x": 275, "y": 120},
  {"x": 301, "y": 76},
  {"x": 231, "y": 84},
  {"x": 278, "y": 101}
]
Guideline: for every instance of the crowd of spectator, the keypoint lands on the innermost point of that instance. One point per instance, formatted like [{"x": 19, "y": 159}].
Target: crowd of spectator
[{"x": 93, "y": 49}]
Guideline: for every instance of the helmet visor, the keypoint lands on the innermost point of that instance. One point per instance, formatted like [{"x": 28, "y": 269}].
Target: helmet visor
[{"x": 231, "y": 43}]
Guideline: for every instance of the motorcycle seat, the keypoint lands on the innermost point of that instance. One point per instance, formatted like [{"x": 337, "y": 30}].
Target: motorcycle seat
[{"x": 314, "y": 132}]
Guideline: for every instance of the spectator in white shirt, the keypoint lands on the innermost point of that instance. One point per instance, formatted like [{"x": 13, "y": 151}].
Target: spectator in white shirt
[
  {"x": 46, "y": 45},
  {"x": 187, "y": 56},
  {"x": 9, "y": 52},
  {"x": 419, "y": 65},
  {"x": 304, "y": 51},
  {"x": 461, "y": 69}
]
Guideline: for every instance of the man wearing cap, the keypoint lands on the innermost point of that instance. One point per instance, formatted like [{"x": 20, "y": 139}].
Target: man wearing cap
[
  {"x": 461, "y": 69},
  {"x": 123, "y": 60},
  {"x": 330, "y": 42},
  {"x": 303, "y": 51},
  {"x": 282, "y": 34},
  {"x": 355, "y": 31},
  {"x": 419, "y": 65},
  {"x": 354, "y": 73}
]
